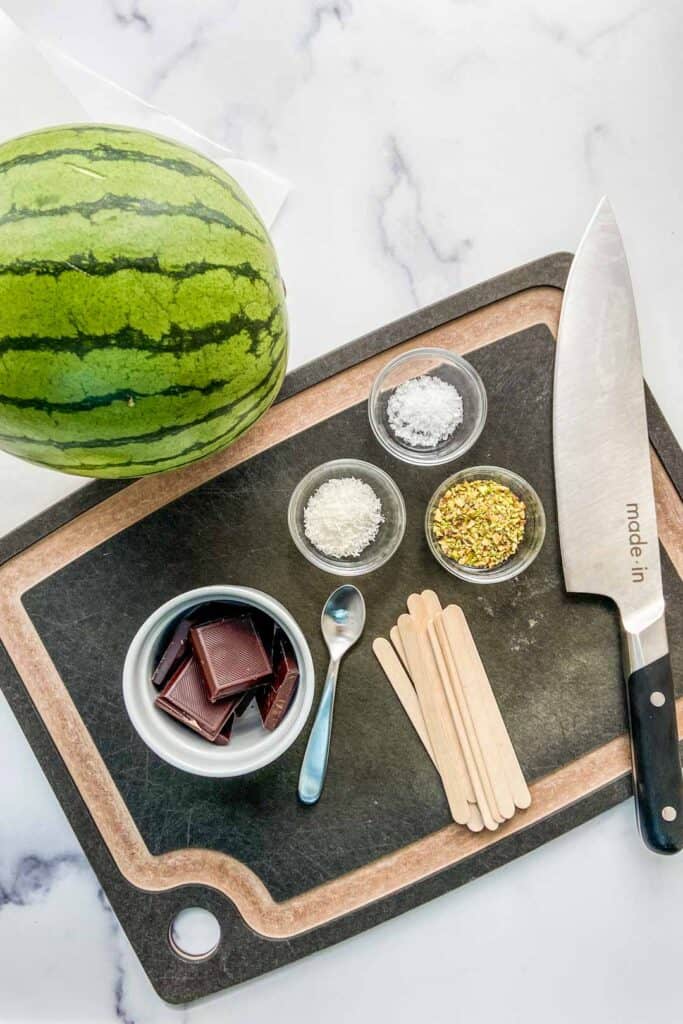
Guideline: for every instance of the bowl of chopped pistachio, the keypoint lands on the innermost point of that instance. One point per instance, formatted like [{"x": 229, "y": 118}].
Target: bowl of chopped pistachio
[{"x": 485, "y": 524}]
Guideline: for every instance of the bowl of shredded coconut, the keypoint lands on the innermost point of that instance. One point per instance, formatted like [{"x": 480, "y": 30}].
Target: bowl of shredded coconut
[
  {"x": 427, "y": 406},
  {"x": 347, "y": 517}
]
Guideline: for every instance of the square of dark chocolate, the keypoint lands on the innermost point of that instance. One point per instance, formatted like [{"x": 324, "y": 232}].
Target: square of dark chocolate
[
  {"x": 185, "y": 698},
  {"x": 231, "y": 655},
  {"x": 275, "y": 699}
]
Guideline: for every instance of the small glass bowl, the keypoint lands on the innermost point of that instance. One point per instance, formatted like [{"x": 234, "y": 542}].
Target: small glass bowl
[
  {"x": 390, "y": 533},
  {"x": 534, "y": 531},
  {"x": 449, "y": 367}
]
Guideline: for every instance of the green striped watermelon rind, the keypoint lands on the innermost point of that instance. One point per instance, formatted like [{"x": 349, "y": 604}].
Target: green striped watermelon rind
[{"x": 142, "y": 312}]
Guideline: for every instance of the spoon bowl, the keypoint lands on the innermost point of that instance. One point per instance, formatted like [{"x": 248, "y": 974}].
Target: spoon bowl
[{"x": 342, "y": 619}]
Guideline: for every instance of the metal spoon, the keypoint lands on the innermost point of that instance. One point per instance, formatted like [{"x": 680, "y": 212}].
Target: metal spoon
[{"x": 342, "y": 623}]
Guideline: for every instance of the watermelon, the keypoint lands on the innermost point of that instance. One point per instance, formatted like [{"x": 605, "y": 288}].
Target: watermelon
[{"x": 142, "y": 312}]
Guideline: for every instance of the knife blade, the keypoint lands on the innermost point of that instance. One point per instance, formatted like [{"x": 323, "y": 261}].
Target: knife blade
[{"x": 606, "y": 507}]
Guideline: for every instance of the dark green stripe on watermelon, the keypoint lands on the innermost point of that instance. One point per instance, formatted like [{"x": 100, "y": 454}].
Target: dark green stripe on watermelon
[
  {"x": 107, "y": 153},
  {"x": 87, "y": 263},
  {"x": 189, "y": 454},
  {"x": 177, "y": 341},
  {"x": 128, "y": 204},
  {"x": 128, "y": 396},
  {"x": 264, "y": 384}
]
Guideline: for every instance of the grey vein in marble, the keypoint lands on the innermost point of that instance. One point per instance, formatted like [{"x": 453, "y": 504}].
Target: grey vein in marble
[
  {"x": 34, "y": 877},
  {"x": 583, "y": 43},
  {"x": 339, "y": 11},
  {"x": 120, "y": 1009},
  {"x": 134, "y": 17},
  {"x": 176, "y": 59},
  {"x": 405, "y": 238}
]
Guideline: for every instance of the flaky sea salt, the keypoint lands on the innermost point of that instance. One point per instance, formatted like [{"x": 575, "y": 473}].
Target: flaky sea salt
[
  {"x": 342, "y": 517},
  {"x": 424, "y": 411}
]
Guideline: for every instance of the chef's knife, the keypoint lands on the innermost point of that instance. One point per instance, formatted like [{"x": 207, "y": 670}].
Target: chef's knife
[{"x": 606, "y": 507}]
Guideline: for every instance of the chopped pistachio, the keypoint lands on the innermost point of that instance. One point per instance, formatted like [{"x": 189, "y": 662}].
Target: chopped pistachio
[{"x": 479, "y": 523}]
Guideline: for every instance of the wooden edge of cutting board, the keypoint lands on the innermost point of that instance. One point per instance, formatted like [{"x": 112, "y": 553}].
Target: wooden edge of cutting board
[{"x": 387, "y": 875}]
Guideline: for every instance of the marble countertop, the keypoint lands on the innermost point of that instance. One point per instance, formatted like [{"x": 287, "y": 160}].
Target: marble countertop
[{"x": 429, "y": 146}]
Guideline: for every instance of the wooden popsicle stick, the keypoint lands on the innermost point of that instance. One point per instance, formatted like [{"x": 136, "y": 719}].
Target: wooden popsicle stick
[
  {"x": 437, "y": 718},
  {"x": 472, "y": 736},
  {"x": 403, "y": 688},
  {"x": 431, "y": 604},
  {"x": 398, "y": 644},
  {"x": 475, "y": 821},
  {"x": 478, "y": 689},
  {"x": 486, "y": 814},
  {"x": 419, "y": 612},
  {"x": 479, "y": 707}
]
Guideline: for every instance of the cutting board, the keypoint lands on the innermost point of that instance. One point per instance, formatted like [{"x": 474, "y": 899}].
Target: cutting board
[{"x": 283, "y": 879}]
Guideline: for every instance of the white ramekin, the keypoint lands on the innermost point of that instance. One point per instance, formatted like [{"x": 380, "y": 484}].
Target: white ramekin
[{"x": 251, "y": 746}]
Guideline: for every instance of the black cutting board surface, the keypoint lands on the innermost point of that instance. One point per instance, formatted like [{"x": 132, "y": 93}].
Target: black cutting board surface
[{"x": 553, "y": 661}]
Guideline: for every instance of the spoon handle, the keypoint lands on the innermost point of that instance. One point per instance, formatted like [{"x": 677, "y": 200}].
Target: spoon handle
[{"x": 314, "y": 764}]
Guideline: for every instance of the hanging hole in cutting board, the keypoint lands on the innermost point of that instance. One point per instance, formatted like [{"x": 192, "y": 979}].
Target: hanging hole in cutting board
[{"x": 194, "y": 934}]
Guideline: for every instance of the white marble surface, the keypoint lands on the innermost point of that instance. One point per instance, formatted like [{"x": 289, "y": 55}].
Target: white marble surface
[{"x": 430, "y": 146}]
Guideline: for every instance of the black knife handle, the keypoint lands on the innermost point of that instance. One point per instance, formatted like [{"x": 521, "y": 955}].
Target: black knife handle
[{"x": 657, "y": 776}]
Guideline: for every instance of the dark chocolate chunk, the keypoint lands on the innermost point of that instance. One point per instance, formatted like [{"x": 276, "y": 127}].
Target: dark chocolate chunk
[
  {"x": 185, "y": 697},
  {"x": 223, "y": 737},
  {"x": 173, "y": 652},
  {"x": 274, "y": 700},
  {"x": 231, "y": 655}
]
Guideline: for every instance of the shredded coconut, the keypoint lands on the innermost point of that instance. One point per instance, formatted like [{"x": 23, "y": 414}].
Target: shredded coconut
[
  {"x": 342, "y": 517},
  {"x": 424, "y": 411}
]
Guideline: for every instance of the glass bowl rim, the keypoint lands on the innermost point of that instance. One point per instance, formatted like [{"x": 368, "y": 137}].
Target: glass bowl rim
[
  {"x": 339, "y": 567},
  {"x": 428, "y": 457},
  {"x": 508, "y": 569}
]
